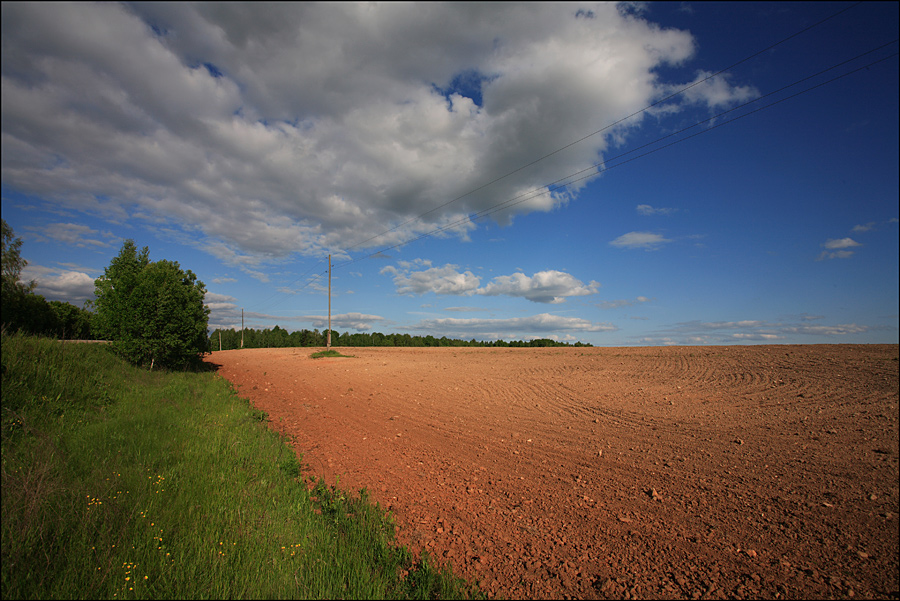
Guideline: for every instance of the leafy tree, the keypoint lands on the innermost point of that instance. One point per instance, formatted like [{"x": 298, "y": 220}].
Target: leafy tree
[
  {"x": 152, "y": 312},
  {"x": 73, "y": 323},
  {"x": 12, "y": 261},
  {"x": 15, "y": 294}
]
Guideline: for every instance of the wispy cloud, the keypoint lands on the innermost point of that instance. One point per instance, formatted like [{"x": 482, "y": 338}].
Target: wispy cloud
[
  {"x": 842, "y": 243},
  {"x": 224, "y": 312},
  {"x": 219, "y": 300},
  {"x": 872, "y": 225},
  {"x": 618, "y": 304},
  {"x": 751, "y": 330},
  {"x": 717, "y": 92},
  {"x": 645, "y": 240},
  {"x": 465, "y": 309},
  {"x": 650, "y": 210},
  {"x": 535, "y": 326},
  {"x": 837, "y": 249},
  {"x": 354, "y": 321},
  {"x": 71, "y": 234}
]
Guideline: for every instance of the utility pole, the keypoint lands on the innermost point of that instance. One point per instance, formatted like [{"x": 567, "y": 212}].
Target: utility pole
[
  {"x": 329, "y": 302},
  {"x": 242, "y": 328}
]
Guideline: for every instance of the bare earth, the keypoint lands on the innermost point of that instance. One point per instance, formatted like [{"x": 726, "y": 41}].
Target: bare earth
[{"x": 677, "y": 472}]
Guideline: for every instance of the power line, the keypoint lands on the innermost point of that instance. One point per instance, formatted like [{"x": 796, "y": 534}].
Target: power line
[
  {"x": 510, "y": 202},
  {"x": 556, "y": 185},
  {"x": 603, "y": 129}
]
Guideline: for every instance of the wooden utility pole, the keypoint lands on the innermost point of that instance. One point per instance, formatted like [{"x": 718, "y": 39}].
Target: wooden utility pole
[
  {"x": 329, "y": 302},
  {"x": 242, "y": 328}
]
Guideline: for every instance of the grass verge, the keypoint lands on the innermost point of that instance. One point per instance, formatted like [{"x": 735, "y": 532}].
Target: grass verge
[{"x": 120, "y": 483}]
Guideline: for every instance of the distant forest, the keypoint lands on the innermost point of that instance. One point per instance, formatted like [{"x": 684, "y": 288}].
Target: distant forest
[
  {"x": 281, "y": 338},
  {"x": 32, "y": 314}
]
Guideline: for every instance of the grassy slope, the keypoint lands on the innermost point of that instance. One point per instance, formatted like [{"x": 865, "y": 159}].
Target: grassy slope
[{"x": 122, "y": 483}]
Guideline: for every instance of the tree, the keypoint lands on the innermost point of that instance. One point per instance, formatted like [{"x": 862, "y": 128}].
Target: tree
[
  {"x": 73, "y": 323},
  {"x": 152, "y": 312},
  {"x": 12, "y": 261},
  {"x": 14, "y": 293},
  {"x": 12, "y": 264}
]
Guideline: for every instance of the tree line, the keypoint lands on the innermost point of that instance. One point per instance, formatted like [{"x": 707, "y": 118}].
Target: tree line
[
  {"x": 25, "y": 311},
  {"x": 278, "y": 337},
  {"x": 151, "y": 312}
]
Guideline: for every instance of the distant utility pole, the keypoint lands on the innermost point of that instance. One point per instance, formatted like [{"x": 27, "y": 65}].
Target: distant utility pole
[
  {"x": 328, "y": 343},
  {"x": 242, "y": 328}
]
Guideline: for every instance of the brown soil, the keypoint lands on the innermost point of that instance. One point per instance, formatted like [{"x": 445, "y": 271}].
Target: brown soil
[{"x": 682, "y": 472}]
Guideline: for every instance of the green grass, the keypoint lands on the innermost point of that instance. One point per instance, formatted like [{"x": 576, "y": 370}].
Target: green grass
[
  {"x": 328, "y": 353},
  {"x": 120, "y": 483}
]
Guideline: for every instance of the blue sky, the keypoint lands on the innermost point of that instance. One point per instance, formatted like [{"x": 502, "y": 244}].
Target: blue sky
[{"x": 475, "y": 170}]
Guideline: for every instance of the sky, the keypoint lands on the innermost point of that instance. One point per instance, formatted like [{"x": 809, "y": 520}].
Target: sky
[{"x": 640, "y": 174}]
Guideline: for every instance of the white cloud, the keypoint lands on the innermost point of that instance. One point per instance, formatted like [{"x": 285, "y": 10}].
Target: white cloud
[
  {"x": 60, "y": 284},
  {"x": 223, "y": 311},
  {"x": 464, "y": 309},
  {"x": 717, "y": 93},
  {"x": 72, "y": 234},
  {"x": 645, "y": 240},
  {"x": 651, "y": 210},
  {"x": 439, "y": 280},
  {"x": 756, "y": 336},
  {"x": 729, "y": 325},
  {"x": 302, "y": 127},
  {"x": 356, "y": 321},
  {"x": 838, "y": 254},
  {"x": 518, "y": 328},
  {"x": 212, "y": 297},
  {"x": 543, "y": 287},
  {"x": 617, "y": 304},
  {"x": 414, "y": 263},
  {"x": 839, "y": 248},
  {"x": 751, "y": 330},
  {"x": 836, "y": 330},
  {"x": 842, "y": 243}
]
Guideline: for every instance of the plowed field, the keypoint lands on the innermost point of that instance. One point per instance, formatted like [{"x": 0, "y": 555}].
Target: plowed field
[{"x": 677, "y": 472}]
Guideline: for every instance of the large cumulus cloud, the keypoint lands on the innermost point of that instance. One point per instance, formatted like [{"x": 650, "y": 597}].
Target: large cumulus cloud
[{"x": 264, "y": 130}]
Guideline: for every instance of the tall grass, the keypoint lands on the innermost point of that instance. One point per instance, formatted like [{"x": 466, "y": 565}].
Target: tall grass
[{"x": 120, "y": 483}]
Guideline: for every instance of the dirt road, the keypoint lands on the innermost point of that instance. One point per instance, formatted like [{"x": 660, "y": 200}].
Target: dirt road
[{"x": 677, "y": 472}]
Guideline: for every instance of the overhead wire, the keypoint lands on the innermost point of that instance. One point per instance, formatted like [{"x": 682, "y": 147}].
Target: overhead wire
[
  {"x": 543, "y": 189},
  {"x": 603, "y": 129},
  {"x": 558, "y": 184}
]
